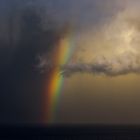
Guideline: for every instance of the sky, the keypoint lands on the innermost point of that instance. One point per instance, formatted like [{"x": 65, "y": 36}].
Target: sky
[
  {"x": 108, "y": 36},
  {"x": 101, "y": 84}
]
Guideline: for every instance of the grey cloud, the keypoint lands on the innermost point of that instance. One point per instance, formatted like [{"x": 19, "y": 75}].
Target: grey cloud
[{"x": 125, "y": 64}]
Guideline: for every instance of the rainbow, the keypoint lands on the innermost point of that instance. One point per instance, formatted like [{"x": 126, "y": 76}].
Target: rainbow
[{"x": 54, "y": 86}]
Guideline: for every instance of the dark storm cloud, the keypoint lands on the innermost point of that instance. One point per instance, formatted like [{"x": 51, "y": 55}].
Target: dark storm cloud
[
  {"x": 23, "y": 38},
  {"x": 82, "y": 13}
]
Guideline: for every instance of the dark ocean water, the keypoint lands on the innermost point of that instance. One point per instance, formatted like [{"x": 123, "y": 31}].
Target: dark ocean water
[{"x": 71, "y": 132}]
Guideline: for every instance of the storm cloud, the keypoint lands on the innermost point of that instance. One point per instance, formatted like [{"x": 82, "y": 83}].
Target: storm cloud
[{"x": 113, "y": 49}]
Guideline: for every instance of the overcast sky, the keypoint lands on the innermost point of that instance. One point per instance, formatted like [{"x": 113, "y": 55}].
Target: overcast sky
[{"x": 106, "y": 33}]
